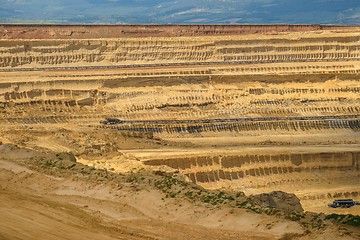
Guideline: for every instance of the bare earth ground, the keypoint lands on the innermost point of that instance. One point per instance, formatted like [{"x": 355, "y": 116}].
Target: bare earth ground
[
  {"x": 46, "y": 205},
  {"x": 210, "y": 119},
  {"x": 43, "y": 206}
]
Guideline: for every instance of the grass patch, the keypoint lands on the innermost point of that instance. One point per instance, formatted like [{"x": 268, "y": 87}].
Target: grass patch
[{"x": 348, "y": 219}]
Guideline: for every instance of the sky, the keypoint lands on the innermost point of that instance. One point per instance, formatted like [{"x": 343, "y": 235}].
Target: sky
[{"x": 181, "y": 11}]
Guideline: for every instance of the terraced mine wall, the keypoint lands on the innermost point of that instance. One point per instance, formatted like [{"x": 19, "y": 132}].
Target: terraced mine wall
[
  {"x": 216, "y": 95},
  {"x": 236, "y": 106},
  {"x": 303, "y": 173},
  {"x": 212, "y": 126},
  {"x": 181, "y": 51},
  {"x": 203, "y": 169}
]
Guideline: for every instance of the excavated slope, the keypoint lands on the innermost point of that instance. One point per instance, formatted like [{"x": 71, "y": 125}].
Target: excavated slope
[{"x": 252, "y": 112}]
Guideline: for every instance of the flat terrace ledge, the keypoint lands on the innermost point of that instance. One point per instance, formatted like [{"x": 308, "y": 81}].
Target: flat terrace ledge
[{"x": 79, "y": 31}]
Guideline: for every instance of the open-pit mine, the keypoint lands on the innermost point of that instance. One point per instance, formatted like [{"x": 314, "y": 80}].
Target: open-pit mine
[{"x": 235, "y": 108}]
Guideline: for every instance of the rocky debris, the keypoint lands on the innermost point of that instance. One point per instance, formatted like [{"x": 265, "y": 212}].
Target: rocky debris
[
  {"x": 286, "y": 202},
  {"x": 66, "y": 156}
]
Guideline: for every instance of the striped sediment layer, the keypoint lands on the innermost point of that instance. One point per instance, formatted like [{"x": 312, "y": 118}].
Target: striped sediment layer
[
  {"x": 310, "y": 48},
  {"x": 214, "y": 88}
]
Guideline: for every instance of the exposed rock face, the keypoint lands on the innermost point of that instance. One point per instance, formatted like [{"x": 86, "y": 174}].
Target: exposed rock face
[
  {"x": 334, "y": 51},
  {"x": 283, "y": 201},
  {"x": 235, "y": 167},
  {"x": 262, "y": 112},
  {"x": 66, "y": 156}
]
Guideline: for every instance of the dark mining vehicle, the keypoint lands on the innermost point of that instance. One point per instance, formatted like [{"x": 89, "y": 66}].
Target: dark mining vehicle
[
  {"x": 111, "y": 121},
  {"x": 342, "y": 203}
]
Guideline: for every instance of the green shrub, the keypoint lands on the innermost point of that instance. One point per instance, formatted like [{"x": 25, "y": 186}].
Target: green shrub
[{"x": 349, "y": 219}]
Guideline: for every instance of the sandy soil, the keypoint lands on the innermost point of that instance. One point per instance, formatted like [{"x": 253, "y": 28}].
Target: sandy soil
[{"x": 34, "y": 204}]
